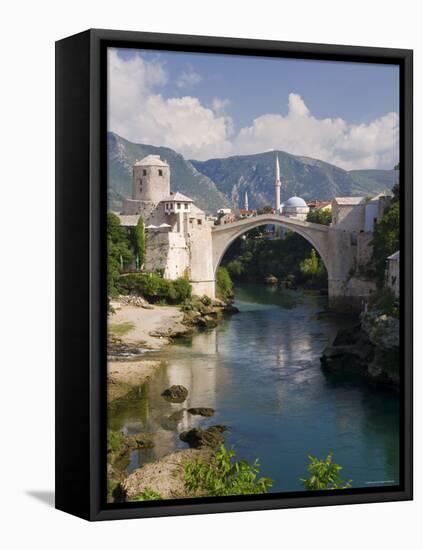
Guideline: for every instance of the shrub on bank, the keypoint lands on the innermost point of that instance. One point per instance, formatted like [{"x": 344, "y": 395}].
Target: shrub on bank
[
  {"x": 224, "y": 476},
  {"x": 154, "y": 288},
  {"x": 223, "y": 284}
]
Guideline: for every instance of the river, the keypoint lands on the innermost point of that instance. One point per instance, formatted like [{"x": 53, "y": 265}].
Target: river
[{"x": 260, "y": 371}]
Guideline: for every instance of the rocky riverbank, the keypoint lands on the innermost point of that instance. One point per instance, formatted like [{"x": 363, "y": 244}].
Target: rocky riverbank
[
  {"x": 165, "y": 476},
  {"x": 370, "y": 349},
  {"x": 136, "y": 328}
]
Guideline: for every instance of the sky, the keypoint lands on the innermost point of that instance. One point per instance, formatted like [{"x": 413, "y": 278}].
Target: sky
[{"x": 211, "y": 106}]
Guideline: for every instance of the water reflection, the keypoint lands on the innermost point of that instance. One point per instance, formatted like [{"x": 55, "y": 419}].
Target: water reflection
[{"x": 260, "y": 371}]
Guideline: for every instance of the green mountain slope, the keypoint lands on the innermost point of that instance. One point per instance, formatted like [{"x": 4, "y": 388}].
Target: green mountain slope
[
  {"x": 184, "y": 177},
  {"x": 377, "y": 180},
  {"x": 303, "y": 176}
]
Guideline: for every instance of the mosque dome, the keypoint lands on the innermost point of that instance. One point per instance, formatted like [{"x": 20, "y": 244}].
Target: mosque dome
[{"x": 295, "y": 202}]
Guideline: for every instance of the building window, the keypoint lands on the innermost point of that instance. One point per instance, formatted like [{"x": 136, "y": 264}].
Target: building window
[
  {"x": 160, "y": 172},
  {"x": 186, "y": 206},
  {"x": 179, "y": 205},
  {"x": 144, "y": 172},
  {"x": 199, "y": 222}
]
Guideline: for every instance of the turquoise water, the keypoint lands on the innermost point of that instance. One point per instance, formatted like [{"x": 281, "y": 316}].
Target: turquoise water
[{"x": 260, "y": 371}]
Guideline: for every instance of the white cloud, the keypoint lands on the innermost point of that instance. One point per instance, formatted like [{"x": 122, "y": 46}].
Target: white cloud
[
  {"x": 140, "y": 113},
  {"x": 188, "y": 79},
  {"x": 333, "y": 140}
]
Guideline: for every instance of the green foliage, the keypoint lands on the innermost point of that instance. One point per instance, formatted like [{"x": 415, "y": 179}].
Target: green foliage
[
  {"x": 120, "y": 329},
  {"x": 154, "y": 288},
  {"x": 324, "y": 474},
  {"x": 115, "y": 441},
  {"x": 313, "y": 269},
  {"x": 117, "y": 251},
  {"x": 183, "y": 289},
  {"x": 386, "y": 239},
  {"x": 147, "y": 494},
  {"x": 138, "y": 242},
  {"x": 385, "y": 301},
  {"x": 223, "y": 284},
  {"x": 206, "y": 300},
  {"x": 321, "y": 216},
  {"x": 235, "y": 269},
  {"x": 267, "y": 209},
  {"x": 224, "y": 476},
  {"x": 252, "y": 259}
]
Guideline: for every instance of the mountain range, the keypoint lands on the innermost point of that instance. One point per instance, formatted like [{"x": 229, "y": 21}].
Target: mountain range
[{"x": 218, "y": 183}]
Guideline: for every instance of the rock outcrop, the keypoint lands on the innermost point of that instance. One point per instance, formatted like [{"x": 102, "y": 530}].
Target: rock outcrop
[
  {"x": 165, "y": 476},
  {"x": 175, "y": 394},
  {"x": 371, "y": 348},
  {"x": 211, "y": 437},
  {"x": 201, "y": 411}
]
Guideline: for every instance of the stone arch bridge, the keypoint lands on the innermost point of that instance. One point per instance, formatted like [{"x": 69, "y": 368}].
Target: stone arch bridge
[{"x": 337, "y": 248}]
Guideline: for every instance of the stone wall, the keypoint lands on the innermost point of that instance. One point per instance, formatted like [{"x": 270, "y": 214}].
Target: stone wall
[
  {"x": 168, "y": 251},
  {"x": 201, "y": 257}
]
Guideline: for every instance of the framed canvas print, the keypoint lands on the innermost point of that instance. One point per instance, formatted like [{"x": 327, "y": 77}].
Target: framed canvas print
[{"x": 234, "y": 274}]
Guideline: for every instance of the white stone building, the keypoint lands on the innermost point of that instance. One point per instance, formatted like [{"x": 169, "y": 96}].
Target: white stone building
[
  {"x": 358, "y": 213},
  {"x": 295, "y": 207},
  {"x": 178, "y": 234}
]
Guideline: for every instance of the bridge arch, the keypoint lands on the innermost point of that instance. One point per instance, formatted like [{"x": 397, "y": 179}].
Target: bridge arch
[{"x": 315, "y": 234}]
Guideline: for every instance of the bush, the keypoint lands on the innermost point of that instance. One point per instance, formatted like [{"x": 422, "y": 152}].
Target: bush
[
  {"x": 223, "y": 284},
  {"x": 321, "y": 216},
  {"x": 206, "y": 300},
  {"x": 324, "y": 474},
  {"x": 154, "y": 288},
  {"x": 386, "y": 240},
  {"x": 385, "y": 301},
  {"x": 224, "y": 476},
  {"x": 117, "y": 250},
  {"x": 147, "y": 494}
]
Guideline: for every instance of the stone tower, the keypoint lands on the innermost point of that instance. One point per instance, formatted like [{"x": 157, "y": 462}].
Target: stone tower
[
  {"x": 277, "y": 186},
  {"x": 150, "y": 179},
  {"x": 246, "y": 201}
]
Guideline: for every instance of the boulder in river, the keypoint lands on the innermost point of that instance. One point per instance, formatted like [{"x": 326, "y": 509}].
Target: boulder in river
[
  {"x": 175, "y": 394},
  {"x": 208, "y": 437},
  {"x": 201, "y": 411}
]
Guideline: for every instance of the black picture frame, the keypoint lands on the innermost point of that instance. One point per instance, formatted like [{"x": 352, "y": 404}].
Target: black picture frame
[{"x": 81, "y": 181}]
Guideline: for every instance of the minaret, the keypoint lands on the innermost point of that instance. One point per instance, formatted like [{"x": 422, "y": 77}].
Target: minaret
[
  {"x": 277, "y": 186},
  {"x": 246, "y": 201}
]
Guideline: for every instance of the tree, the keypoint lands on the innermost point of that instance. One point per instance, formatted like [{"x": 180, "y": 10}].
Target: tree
[
  {"x": 320, "y": 215},
  {"x": 223, "y": 284},
  {"x": 324, "y": 474},
  {"x": 267, "y": 209},
  {"x": 385, "y": 240},
  {"x": 312, "y": 268},
  {"x": 139, "y": 242},
  {"x": 118, "y": 252}
]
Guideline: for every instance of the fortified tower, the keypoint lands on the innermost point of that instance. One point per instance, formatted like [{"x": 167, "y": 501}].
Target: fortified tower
[
  {"x": 150, "y": 186},
  {"x": 150, "y": 179}
]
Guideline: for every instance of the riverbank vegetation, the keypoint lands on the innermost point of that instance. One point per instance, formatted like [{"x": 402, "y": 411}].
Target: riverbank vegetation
[
  {"x": 324, "y": 474},
  {"x": 223, "y": 476},
  {"x": 212, "y": 473},
  {"x": 386, "y": 237},
  {"x": 154, "y": 288},
  {"x": 291, "y": 258}
]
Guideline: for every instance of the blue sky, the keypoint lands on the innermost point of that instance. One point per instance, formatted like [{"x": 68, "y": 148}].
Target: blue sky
[{"x": 207, "y": 105}]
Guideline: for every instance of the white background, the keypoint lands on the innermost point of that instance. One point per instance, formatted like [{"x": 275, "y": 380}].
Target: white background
[{"x": 28, "y": 32}]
